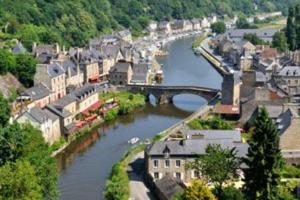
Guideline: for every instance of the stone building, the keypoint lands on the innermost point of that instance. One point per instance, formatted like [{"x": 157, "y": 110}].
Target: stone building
[
  {"x": 231, "y": 89},
  {"x": 288, "y": 78},
  {"x": 38, "y": 95},
  {"x": 170, "y": 158},
  {"x": 53, "y": 77},
  {"x": 121, "y": 73},
  {"x": 66, "y": 109}
]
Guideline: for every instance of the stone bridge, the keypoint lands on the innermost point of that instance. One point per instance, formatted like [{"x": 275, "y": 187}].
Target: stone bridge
[{"x": 165, "y": 94}]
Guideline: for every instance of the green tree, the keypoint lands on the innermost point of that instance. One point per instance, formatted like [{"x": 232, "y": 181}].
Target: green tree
[
  {"x": 291, "y": 30},
  {"x": 231, "y": 193},
  {"x": 7, "y": 61},
  {"x": 218, "y": 166},
  {"x": 4, "y": 111},
  {"x": 264, "y": 160},
  {"x": 198, "y": 191},
  {"x": 254, "y": 39},
  {"x": 279, "y": 42},
  {"x": 11, "y": 143},
  {"x": 36, "y": 151},
  {"x": 218, "y": 27},
  {"x": 242, "y": 23},
  {"x": 25, "y": 69},
  {"x": 18, "y": 181}
]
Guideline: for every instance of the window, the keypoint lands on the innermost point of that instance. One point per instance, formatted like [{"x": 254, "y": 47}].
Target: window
[
  {"x": 156, "y": 175},
  {"x": 178, "y": 164},
  {"x": 167, "y": 163},
  {"x": 178, "y": 175},
  {"x": 155, "y": 163}
]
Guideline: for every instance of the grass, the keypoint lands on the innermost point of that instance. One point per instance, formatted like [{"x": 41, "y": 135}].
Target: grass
[{"x": 197, "y": 42}]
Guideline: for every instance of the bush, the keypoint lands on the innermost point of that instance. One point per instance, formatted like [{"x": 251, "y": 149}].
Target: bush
[
  {"x": 215, "y": 123},
  {"x": 117, "y": 187},
  {"x": 231, "y": 193},
  {"x": 290, "y": 171},
  {"x": 111, "y": 115}
]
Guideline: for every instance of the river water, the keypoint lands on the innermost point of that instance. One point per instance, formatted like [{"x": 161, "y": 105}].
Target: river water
[{"x": 85, "y": 165}]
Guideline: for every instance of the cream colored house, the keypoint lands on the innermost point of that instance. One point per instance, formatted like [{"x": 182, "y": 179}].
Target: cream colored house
[{"x": 45, "y": 121}]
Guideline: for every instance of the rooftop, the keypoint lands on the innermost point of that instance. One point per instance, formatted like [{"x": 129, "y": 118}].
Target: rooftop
[{"x": 36, "y": 92}]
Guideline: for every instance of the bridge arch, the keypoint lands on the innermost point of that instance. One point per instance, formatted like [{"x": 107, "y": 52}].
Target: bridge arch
[{"x": 165, "y": 94}]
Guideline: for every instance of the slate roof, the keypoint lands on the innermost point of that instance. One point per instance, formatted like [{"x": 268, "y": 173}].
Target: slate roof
[
  {"x": 234, "y": 135},
  {"x": 169, "y": 186},
  {"x": 260, "y": 77},
  {"x": 265, "y": 34},
  {"x": 19, "y": 49},
  {"x": 36, "y": 92},
  {"x": 64, "y": 101},
  {"x": 121, "y": 67},
  {"x": 79, "y": 94},
  {"x": 290, "y": 71},
  {"x": 194, "y": 147},
  {"x": 54, "y": 70},
  {"x": 40, "y": 116},
  {"x": 56, "y": 109}
]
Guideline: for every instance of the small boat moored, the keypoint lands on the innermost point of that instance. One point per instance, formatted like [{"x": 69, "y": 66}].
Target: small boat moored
[{"x": 133, "y": 140}]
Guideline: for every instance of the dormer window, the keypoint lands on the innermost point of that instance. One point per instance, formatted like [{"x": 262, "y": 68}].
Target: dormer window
[{"x": 166, "y": 152}]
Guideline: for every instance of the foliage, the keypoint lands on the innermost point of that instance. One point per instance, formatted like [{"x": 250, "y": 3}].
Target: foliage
[
  {"x": 218, "y": 166},
  {"x": 254, "y": 39},
  {"x": 286, "y": 189},
  {"x": 214, "y": 123},
  {"x": 18, "y": 181},
  {"x": 58, "y": 144},
  {"x": 231, "y": 193},
  {"x": 4, "y": 111},
  {"x": 264, "y": 160},
  {"x": 111, "y": 115},
  {"x": 242, "y": 23},
  {"x": 27, "y": 144},
  {"x": 293, "y": 28},
  {"x": 218, "y": 27},
  {"x": 117, "y": 187},
  {"x": 74, "y": 22},
  {"x": 279, "y": 42},
  {"x": 198, "y": 191},
  {"x": 11, "y": 143},
  {"x": 23, "y": 66},
  {"x": 197, "y": 42},
  {"x": 290, "y": 171}
]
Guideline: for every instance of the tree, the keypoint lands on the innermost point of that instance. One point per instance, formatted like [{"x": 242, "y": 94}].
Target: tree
[
  {"x": 18, "y": 181},
  {"x": 11, "y": 143},
  {"x": 218, "y": 27},
  {"x": 25, "y": 69},
  {"x": 242, "y": 23},
  {"x": 218, "y": 166},
  {"x": 7, "y": 61},
  {"x": 4, "y": 111},
  {"x": 254, "y": 39},
  {"x": 264, "y": 160},
  {"x": 231, "y": 193},
  {"x": 291, "y": 30},
  {"x": 198, "y": 191},
  {"x": 280, "y": 41}
]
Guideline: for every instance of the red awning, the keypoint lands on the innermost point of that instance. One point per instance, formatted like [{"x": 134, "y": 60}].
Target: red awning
[
  {"x": 93, "y": 78},
  {"x": 92, "y": 107}
]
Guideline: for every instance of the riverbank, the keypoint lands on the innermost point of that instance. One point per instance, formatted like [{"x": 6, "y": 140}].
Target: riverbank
[
  {"x": 217, "y": 62},
  {"x": 115, "y": 104},
  {"x": 119, "y": 174}
]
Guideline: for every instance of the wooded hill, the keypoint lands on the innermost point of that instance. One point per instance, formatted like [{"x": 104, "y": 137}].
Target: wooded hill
[{"x": 73, "y": 22}]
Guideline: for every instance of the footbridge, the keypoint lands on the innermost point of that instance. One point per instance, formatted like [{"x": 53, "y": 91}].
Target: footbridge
[{"x": 165, "y": 94}]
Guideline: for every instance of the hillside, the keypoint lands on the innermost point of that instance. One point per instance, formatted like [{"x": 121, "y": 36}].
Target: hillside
[{"x": 73, "y": 22}]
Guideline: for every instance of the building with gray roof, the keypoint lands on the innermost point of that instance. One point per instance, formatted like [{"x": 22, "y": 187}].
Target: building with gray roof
[
  {"x": 171, "y": 157},
  {"x": 45, "y": 121},
  {"x": 264, "y": 34}
]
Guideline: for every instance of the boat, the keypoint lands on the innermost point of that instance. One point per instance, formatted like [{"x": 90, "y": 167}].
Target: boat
[{"x": 133, "y": 140}]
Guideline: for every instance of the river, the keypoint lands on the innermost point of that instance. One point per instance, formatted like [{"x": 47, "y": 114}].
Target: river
[{"x": 85, "y": 165}]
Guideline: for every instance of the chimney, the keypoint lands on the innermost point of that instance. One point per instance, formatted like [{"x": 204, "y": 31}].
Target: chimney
[
  {"x": 69, "y": 72},
  {"x": 57, "y": 48},
  {"x": 34, "y": 47}
]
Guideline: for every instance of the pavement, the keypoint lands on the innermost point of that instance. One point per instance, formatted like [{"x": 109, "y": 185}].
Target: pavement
[{"x": 138, "y": 189}]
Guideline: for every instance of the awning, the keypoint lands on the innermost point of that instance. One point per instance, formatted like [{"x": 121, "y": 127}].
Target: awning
[
  {"x": 94, "y": 78},
  {"x": 93, "y": 107}
]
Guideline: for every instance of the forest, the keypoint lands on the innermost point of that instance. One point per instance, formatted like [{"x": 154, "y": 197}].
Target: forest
[{"x": 73, "y": 22}]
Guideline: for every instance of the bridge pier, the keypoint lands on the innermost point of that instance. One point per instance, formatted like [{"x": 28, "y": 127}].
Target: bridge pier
[{"x": 164, "y": 99}]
